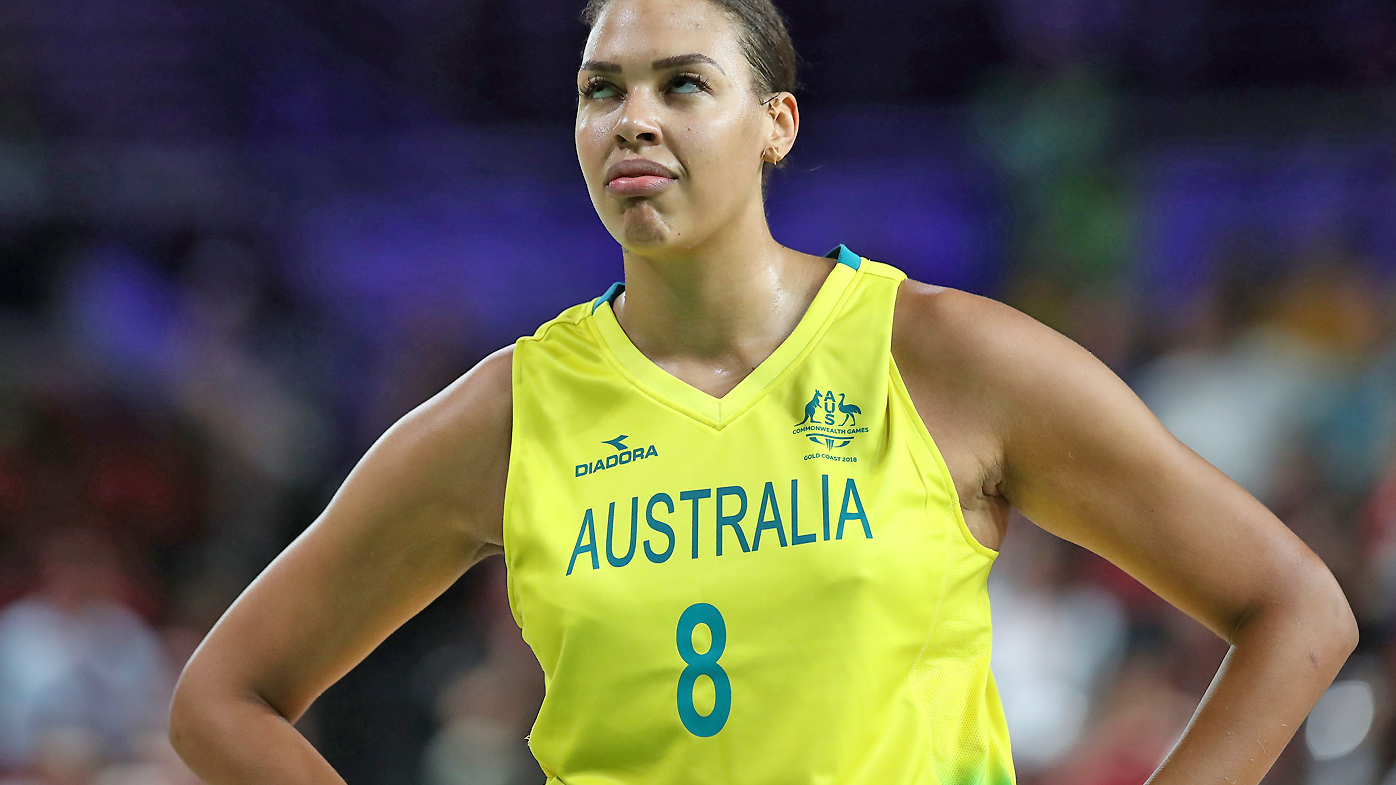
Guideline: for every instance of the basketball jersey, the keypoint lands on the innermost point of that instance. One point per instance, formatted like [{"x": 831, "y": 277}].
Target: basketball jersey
[{"x": 776, "y": 586}]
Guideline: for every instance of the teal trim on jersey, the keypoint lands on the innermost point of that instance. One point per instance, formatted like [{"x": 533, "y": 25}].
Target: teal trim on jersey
[
  {"x": 845, "y": 256},
  {"x": 609, "y": 296}
]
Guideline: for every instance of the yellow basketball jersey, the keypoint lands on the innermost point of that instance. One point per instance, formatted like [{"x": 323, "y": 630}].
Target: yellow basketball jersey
[{"x": 774, "y": 587}]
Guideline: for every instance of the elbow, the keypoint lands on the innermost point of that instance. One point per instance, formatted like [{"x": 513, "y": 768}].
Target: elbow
[
  {"x": 1309, "y": 615},
  {"x": 1336, "y": 643},
  {"x": 183, "y": 719},
  {"x": 200, "y": 708},
  {"x": 1330, "y": 628},
  {"x": 213, "y": 713},
  {"x": 177, "y": 737},
  {"x": 1346, "y": 632},
  {"x": 1336, "y": 618},
  {"x": 204, "y": 721}
]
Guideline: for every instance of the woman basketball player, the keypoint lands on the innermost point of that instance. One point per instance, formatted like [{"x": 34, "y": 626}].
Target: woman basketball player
[{"x": 748, "y": 500}]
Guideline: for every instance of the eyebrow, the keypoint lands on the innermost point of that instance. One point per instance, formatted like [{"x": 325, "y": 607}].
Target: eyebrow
[{"x": 662, "y": 64}]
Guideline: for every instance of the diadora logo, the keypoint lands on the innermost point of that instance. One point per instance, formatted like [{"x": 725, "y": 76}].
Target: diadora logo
[
  {"x": 623, "y": 455},
  {"x": 830, "y": 421}
]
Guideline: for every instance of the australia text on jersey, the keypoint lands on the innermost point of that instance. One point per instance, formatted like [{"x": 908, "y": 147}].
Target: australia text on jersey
[{"x": 717, "y": 510}]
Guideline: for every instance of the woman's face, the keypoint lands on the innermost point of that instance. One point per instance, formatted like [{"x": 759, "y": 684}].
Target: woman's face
[{"x": 664, "y": 82}]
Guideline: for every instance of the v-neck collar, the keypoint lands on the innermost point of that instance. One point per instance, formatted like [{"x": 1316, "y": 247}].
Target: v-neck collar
[{"x": 693, "y": 402}]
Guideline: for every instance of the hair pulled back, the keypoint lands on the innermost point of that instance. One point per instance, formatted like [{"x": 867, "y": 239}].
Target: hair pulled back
[{"x": 764, "y": 39}]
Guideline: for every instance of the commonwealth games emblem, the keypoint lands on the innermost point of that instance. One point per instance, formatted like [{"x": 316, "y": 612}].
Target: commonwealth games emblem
[{"x": 830, "y": 421}]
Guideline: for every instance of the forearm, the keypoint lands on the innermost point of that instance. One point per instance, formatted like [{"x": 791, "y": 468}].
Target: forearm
[
  {"x": 237, "y": 741},
  {"x": 1280, "y": 663}
]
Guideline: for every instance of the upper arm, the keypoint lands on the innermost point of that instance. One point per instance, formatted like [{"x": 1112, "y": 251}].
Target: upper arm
[
  {"x": 422, "y": 505},
  {"x": 1083, "y": 458}
]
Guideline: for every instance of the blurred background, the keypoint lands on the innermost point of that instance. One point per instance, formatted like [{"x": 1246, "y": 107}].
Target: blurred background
[{"x": 239, "y": 238}]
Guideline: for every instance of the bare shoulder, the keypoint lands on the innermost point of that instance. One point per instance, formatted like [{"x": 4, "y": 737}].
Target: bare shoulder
[
  {"x": 980, "y": 339},
  {"x": 438, "y": 473},
  {"x": 1000, "y": 392},
  {"x": 954, "y": 352},
  {"x": 478, "y": 402},
  {"x": 1009, "y": 363},
  {"x": 458, "y": 441}
]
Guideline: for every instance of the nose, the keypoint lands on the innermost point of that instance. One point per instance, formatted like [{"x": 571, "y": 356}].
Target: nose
[{"x": 637, "y": 125}]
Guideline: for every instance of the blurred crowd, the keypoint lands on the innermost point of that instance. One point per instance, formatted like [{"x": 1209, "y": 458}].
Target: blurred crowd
[{"x": 237, "y": 241}]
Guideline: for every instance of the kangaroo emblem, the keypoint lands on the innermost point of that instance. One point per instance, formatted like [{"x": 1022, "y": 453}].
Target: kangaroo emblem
[
  {"x": 848, "y": 412},
  {"x": 811, "y": 408}
]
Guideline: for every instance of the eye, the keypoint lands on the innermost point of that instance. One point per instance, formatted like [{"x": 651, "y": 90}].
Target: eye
[
  {"x": 682, "y": 84},
  {"x": 687, "y": 84},
  {"x": 597, "y": 88}
]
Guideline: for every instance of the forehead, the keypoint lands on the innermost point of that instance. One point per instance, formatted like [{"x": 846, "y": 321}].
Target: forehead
[{"x": 637, "y": 32}]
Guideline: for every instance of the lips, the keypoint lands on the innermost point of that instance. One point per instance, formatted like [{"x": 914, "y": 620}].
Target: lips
[{"x": 638, "y": 177}]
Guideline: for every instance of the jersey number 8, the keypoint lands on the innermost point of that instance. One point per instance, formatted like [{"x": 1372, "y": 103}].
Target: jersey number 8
[{"x": 704, "y": 664}]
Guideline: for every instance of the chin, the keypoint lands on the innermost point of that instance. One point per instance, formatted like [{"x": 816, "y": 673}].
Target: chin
[{"x": 643, "y": 229}]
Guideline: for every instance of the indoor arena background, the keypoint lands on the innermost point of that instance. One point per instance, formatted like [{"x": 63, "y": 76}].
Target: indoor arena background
[{"x": 239, "y": 238}]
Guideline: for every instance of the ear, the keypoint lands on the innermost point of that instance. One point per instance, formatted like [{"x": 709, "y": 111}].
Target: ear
[{"x": 784, "y": 113}]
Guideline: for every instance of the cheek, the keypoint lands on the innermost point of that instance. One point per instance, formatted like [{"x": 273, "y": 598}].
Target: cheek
[
  {"x": 592, "y": 140},
  {"x": 718, "y": 152}
]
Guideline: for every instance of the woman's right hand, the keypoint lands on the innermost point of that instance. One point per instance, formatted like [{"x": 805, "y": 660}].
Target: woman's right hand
[{"x": 423, "y": 504}]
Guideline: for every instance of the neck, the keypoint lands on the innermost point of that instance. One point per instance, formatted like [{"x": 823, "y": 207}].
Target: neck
[{"x": 711, "y": 312}]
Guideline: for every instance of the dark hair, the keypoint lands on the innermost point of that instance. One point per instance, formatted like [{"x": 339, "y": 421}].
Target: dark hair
[{"x": 764, "y": 40}]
